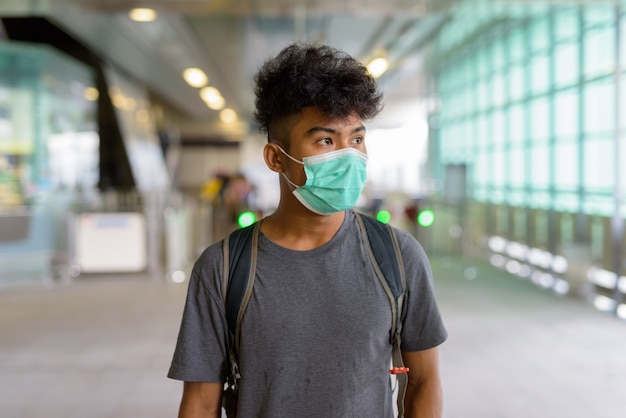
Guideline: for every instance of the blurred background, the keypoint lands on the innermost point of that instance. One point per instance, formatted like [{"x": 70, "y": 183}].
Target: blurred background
[
  {"x": 127, "y": 143},
  {"x": 502, "y": 119}
]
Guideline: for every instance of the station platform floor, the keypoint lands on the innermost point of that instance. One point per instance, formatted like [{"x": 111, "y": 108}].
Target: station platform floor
[{"x": 100, "y": 347}]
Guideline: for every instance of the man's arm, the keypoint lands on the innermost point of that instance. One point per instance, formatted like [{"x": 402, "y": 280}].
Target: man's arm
[
  {"x": 424, "y": 398},
  {"x": 201, "y": 400}
]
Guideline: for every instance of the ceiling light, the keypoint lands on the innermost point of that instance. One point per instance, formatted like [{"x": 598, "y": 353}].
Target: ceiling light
[
  {"x": 195, "y": 77},
  {"x": 216, "y": 103},
  {"x": 142, "y": 15},
  {"x": 377, "y": 67},
  {"x": 228, "y": 115},
  {"x": 209, "y": 93},
  {"x": 212, "y": 97}
]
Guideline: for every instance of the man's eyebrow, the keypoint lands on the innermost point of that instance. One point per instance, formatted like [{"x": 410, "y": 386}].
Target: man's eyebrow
[{"x": 317, "y": 129}]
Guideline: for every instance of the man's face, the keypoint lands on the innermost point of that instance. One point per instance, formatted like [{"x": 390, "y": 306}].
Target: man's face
[{"x": 313, "y": 133}]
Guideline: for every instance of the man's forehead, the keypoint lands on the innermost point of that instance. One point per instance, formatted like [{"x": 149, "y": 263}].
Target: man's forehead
[{"x": 317, "y": 116}]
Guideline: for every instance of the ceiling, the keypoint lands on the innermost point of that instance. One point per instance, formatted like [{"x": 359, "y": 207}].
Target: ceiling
[{"x": 229, "y": 40}]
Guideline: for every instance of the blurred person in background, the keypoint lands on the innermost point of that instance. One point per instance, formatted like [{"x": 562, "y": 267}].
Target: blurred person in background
[
  {"x": 236, "y": 195},
  {"x": 315, "y": 338}
]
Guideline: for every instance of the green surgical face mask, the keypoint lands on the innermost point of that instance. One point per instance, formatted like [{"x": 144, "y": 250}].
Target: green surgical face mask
[{"x": 334, "y": 180}]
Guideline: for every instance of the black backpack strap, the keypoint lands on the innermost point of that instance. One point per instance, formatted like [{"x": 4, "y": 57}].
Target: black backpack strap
[
  {"x": 384, "y": 252},
  {"x": 237, "y": 253},
  {"x": 239, "y": 259}
]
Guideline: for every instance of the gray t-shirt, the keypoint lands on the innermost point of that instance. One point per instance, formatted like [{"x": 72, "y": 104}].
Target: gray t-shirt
[{"x": 315, "y": 335}]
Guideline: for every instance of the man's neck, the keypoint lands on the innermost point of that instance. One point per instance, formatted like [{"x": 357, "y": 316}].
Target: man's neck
[{"x": 301, "y": 230}]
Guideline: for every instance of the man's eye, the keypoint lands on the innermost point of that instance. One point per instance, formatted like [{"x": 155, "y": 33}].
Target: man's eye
[
  {"x": 326, "y": 141},
  {"x": 358, "y": 140}
]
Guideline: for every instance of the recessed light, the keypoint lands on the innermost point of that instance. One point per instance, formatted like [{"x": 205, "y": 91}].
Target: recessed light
[{"x": 141, "y": 14}]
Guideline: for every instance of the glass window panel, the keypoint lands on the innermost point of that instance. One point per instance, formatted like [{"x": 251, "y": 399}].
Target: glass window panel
[
  {"x": 443, "y": 108},
  {"x": 498, "y": 127},
  {"x": 489, "y": 93},
  {"x": 540, "y": 200},
  {"x": 459, "y": 141},
  {"x": 540, "y": 166},
  {"x": 566, "y": 165},
  {"x": 452, "y": 76},
  {"x": 566, "y": 67},
  {"x": 483, "y": 132},
  {"x": 599, "y": 46},
  {"x": 471, "y": 70},
  {"x": 566, "y": 23},
  {"x": 540, "y": 73},
  {"x": 515, "y": 10},
  {"x": 622, "y": 166},
  {"x": 442, "y": 81},
  {"x": 623, "y": 40},
  {"x": 498, "y": 89},
  {"x": 469, "y": 135},
  {"x": 598, "y": 163},
  {"x": 540, "y": 122},
  {"x": 497, "y": 55},
  {"x": 450, "y": 109},
  {"x": 497, "y": 196},
  {"x": 480, "y": 194},
  {"x": 623, "y": 101},
  {"x": 517, "y": 50},
  {"x": 517, "y": 86},
  {"x": 539, "y": 34},
  {"x": 482, "y": 94},
  {"x": 517, "y": 125},
  {"x": 489, "y": 53},
  {"x": 598, "y": 107},
  {"x": 461, "y": 73},
  {"x": 499, "y": 167},
  {"x": 481, "y": 167},
  {"x": 481, "y": 62},
  {"x": 539, "y": 8},
  {"x": 516, "y": 198},
  {"x": 458, "y": 74},
  {"x": 444, "y": 138},
  {"x": 470, "y": 94},
  {"x": 566, "y": 202},
  {"x": 461, "y": 98},
  {"x": 599, "y": 205},
  {"x": 457, "y": 107},
  {"x": 566, "y": 117},
  {"x": 518, "y": 166},
  {"x": 460, "y": 102},
  {"x": 601, "y": 14}
]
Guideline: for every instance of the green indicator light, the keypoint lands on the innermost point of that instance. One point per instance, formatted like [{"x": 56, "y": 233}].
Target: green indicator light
[
  {"x": 426, "y": 217},
  {"x": 383, "y": 216},
  {"x": 246, "y": 219}
]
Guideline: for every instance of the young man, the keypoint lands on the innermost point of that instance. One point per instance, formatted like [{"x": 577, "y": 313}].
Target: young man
[{"x": 315, "y": 334}]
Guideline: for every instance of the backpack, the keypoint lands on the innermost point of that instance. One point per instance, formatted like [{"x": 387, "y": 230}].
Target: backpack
[{"x": 240, "y": 254}]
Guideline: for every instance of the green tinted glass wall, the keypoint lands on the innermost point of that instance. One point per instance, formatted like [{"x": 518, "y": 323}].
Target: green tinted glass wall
[{"x": 528, "y": 98}]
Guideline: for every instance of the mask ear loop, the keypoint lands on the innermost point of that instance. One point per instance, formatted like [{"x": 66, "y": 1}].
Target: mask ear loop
[
  {"x": 290, "y": 157},
  {"x": 289, "y": 181},
  {"x": 293, "y": 159}
]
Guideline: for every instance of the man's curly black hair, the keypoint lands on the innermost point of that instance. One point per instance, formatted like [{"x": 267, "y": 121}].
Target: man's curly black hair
[{"x": 304, "y": 75}]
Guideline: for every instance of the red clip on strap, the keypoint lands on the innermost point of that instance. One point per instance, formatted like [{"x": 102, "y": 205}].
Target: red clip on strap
[{"x": 399, "y": 370}]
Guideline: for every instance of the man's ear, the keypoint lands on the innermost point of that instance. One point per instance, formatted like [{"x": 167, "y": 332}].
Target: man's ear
[{"x": 273, "y": 158}]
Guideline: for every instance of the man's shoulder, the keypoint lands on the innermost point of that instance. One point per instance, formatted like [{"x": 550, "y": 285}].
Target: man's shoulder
[{"x": 210, "y": 257}]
